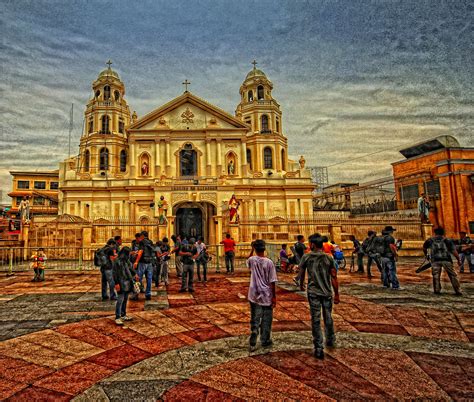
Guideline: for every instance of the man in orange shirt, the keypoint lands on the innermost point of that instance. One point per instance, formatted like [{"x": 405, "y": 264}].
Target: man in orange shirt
[
  {"x": 328, "y": 248},
  {"x": 229, "y": 251}
]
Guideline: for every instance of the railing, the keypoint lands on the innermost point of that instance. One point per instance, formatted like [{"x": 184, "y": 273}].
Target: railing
[{"x": 18, "y": 259}]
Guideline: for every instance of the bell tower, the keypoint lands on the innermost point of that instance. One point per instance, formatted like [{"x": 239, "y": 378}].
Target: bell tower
[
  {"x": 266, "y": 145},
  {"x": 104, "y": 145}
]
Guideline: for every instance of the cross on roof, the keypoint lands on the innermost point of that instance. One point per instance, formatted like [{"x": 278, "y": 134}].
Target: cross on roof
[
  {"x": 186, "y": 83},
  {"x": 109, "y": 63},
  {"x": 254, "y": 64}
]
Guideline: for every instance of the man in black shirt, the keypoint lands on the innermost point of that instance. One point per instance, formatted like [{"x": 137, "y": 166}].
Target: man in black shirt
[
  {"x": 188, "y": 254},
  {"x": 441, "y": 249},
  {"x": 144, "y": 261},
  {"x": 298, "y": 251},
  {"x": 464, "y": 248}
]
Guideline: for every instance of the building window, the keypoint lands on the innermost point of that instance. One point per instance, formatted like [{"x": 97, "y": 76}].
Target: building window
[
  {"x": 91, "y": 125},
  {"x": 264, "y": 121},
  {"x": 40, "y": 185},
  {"x": 18, "y": 201},
  {"x": 267, "y": 158},
  {"x": 104, "y": 159},
  {"x": 283, "y": 160},
  {"x": 432, "y": 188},
  {"x": 409, "y": 193},
  {"x": 23, "y": 184},
  {"x": 250, "y": 96},
  {"x": 106, "y": 92},
  {"x": 54, "y": 185},
  {"x": 105, "y": 124},
  {"x": 116, "y": 95},
  {"x": 188, "y": 161},
  {"x": 39, "y": 201},
  {"x": 123, "y": 160},
  {"x": 260, "y": 91},
  {"x": 121, "y": 126},
  {"x": 249, "y": 158},
  {"x": 87, "y": 160},
  {"x": 277, "y": 125}
]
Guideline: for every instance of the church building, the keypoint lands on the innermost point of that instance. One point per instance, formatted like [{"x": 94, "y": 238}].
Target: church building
[{"x": 192, "y": 167}]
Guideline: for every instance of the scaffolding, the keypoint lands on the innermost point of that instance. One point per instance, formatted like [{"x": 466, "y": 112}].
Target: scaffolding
[{"x": 319, "y": 177}]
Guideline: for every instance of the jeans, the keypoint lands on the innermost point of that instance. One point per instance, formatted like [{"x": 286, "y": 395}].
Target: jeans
[
  {"x": 121, "y": 305},
  {"x": 107, "y": 278},
  {"x": 164, "y": 271},
  {"x": 436, "y": 268},
  {"x": 157, "y": 274},
  {"x": 178, "y": 265},
  {"x": 261, "y": 318},
  {"x": 147, "y": 270},
  {"x": 463, "y": 257},
  {"x": 229, "y": 261},
  {"x": 360, "y": 262},
  {"x": 188, "y": 277},
  {"x": 204, "y": 270},
  {"x": 389, "y": 269},
  {"x": 316, "y": 304},
  {"x": 39, "y": 274},
  {"x": 370, "y": 260}
]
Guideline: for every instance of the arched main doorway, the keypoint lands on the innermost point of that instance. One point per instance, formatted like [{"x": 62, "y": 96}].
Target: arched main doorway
[{"x": 195, "y": 219}]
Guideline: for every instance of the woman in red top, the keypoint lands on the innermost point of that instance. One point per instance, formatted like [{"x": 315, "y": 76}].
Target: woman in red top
[{"x": 229, "y": 251}]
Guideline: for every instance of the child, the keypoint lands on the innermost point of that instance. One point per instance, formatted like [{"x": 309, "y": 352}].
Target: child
[
  {"x": 39, "y": 264},
  {"x": 262, "y": 296},
  {"x": 284, "y": 261}
]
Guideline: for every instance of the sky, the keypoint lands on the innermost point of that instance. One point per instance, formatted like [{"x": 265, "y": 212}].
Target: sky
[{"x": 352, "y": 77}]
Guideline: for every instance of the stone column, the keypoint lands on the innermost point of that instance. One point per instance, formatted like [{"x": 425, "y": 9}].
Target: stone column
[
  {"x": 335, "y": 233},
  {"x": 208, "y": 158},
  {"x": 219, "y": 158},
  {"x": 157, "y": 159},
  {"x": 243, "y": 166},
  {"x": 133, "y": 167},
  {"x": 168, "y": 158}
]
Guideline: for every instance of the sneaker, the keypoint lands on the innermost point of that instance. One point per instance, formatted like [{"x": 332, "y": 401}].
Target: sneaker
[
  {"x": 105, "y": 298},
  {"x": 148, "y": 297},
  {"x": 268, "y": 344},
  {"x": 126, "y": 318},
  {"x": 330, "y": 344},
  {"x": 252, "y": 348},
  {"x": 458, "y": 294},
  {"x": 191, "y": 290},
  {"x": 253, "y": 339},
  {"x": 399, "y": 288},
  {"x": 319, "y": 354},
  {"x": 119, "y": 321}
]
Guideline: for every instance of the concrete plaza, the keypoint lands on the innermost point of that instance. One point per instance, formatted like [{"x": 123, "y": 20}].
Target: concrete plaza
[{"x": 59, "y": 342}]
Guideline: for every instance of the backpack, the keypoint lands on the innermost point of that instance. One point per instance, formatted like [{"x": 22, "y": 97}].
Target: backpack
[
  {"x": 100, "y": 257},
  {"x": 439, "y": 249},
  {"x": 377, "y": 246}
]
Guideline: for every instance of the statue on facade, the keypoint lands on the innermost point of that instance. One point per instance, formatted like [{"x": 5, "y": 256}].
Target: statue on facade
[
  {"x": 231, "y": 167},
  {"x": 145, "y": 169},
  {"x": 233, "y": 209},
  {"x": 24, "y": 209},
  {"x": 302, "y": 162},
  {"x": 162, "y": 211}
]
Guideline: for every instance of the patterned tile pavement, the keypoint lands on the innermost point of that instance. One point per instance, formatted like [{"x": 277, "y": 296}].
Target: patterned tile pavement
[{"x": 61, "y": 343}]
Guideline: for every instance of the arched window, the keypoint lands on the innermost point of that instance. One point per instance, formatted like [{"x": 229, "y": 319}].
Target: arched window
[
  {"x": 277, "y": 125},
  {"x": 249, "y": 158},
  {"x": 260, "y": 92},
  {"x": 106, "y": 92},
  {"x": 283, "y": 160},
  {"x": 116, "y": 95},
  {"x": 188, "y": 161},
  {"x": 250, "y": 96},
  {"x": 105, "y": 124},
  {"x": 91, "y": 125},
  {"x": 87, "y": 160},
  {"x": 264, "y": 121},
  {"x": 267, "y": 158},
  {"x": 121, "y": 126},
  {"x": 104, "y": 159},
  {"x": 123, "y": 160}
]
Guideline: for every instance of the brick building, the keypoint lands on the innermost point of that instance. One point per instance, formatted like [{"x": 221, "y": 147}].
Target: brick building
[{"x": 444, "y": 171}]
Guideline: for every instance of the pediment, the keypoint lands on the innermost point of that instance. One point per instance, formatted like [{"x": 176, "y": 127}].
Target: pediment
[{"x": 187, "y": 112}]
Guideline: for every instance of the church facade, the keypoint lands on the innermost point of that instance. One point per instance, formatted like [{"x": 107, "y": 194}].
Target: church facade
[{"x": 187, "y": 164}]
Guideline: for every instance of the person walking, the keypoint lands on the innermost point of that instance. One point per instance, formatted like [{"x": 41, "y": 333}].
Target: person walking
[
  {"x": 177, "y": 243},
  {"x": 358, "y": 253},
  {"x": 298, "y": 252},
  {"x": 322, "y": 280},
  {"x": 144, "y": 262},
  {"x": 188, "y": 254},
  {"x": 163, "y": 253},
  {"x": 464, "y": 249},
  {"x": 229, "y": 251},
  {"x": 123, "y": 274},
  {"x": 389, "y": 257},
  {"x": 262, "y": 296},
  {"x": 440, "y": 250},
  {"x": 106, "y": 255},
  {"x": 201, "y": 259},
  {"x": 38, "y": 264},
  {"x": 366, "y": 246}
]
